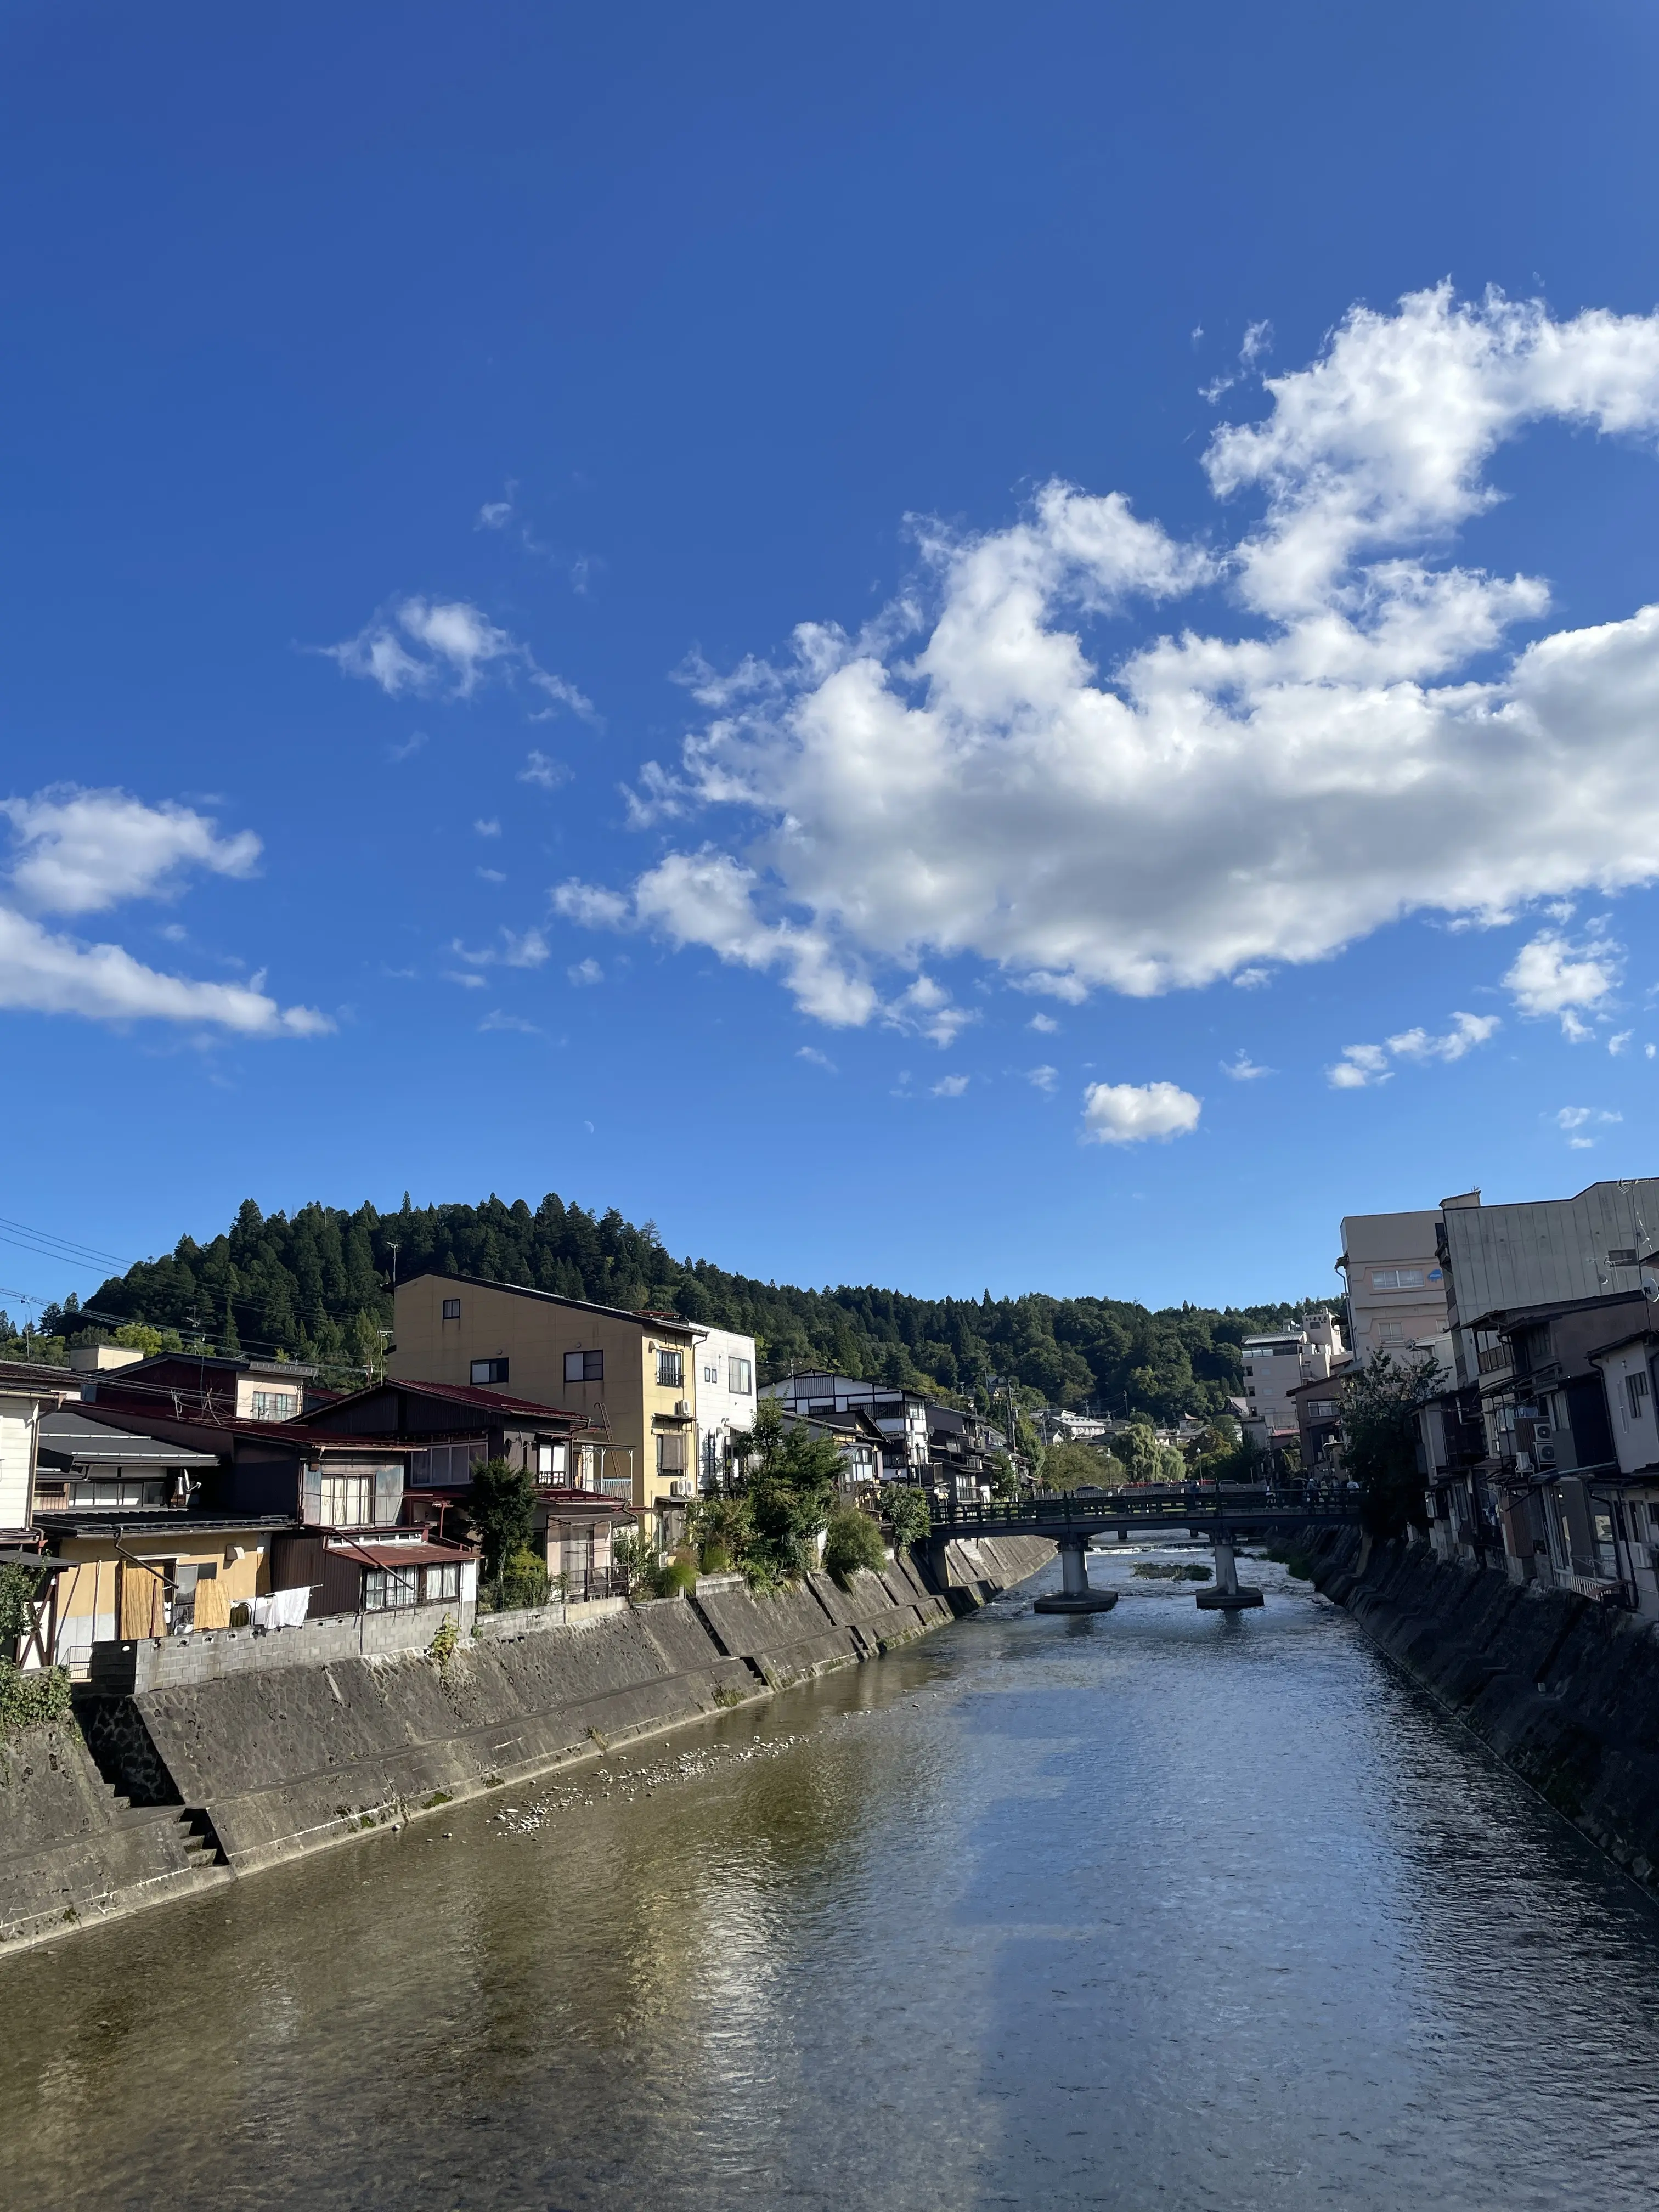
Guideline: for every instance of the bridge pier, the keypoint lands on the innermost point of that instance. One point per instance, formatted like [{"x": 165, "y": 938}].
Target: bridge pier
[
  {"x": 1228, "y": 1594},
  {"x": 1075, "y": 1594}
]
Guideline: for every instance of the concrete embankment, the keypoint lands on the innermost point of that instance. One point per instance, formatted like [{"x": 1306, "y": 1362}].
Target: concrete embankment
[
  {"x": 1563, "y": 1690},
  {"x": 205, "y": 1761}
]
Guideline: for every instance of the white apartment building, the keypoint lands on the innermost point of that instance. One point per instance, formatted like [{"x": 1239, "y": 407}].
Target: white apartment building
[
  {"x": 724, "y": 1370},
  {"x": 1396, "y": 1285},
  {"x": 1280, "y": 1361}
]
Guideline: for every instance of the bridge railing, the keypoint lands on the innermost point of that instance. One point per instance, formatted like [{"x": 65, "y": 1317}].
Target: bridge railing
[{"x": 1170, "y": 1505}]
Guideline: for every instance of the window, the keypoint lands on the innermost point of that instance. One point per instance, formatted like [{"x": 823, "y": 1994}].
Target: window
[
  {"x": 740, "y": 1377},
  {"x": 275, "y": 1406},
  {"x": 443, "y": 1583},
  {"x": 1622, "y": 1255},
  {"x": 551, "y": 1462},
  {"x": 1635, "y": 1389},
  {"x": 344, "y": 1501},
  {"x": 584, "y": 1367},
  {"x": 671, "y": 1452},
  {"x": 1390, "y": 1332},
  {"x": 670, "y": 1371},
  {"x": 489, "y": 1371},
  {"x": 711, "y": 1370},
  {"x": 452, "y": 1308},
  {"x": 1396, "y": 1279},
  {"x": 435, "y": 1464},
  {"x": 388, "y": 1590}
]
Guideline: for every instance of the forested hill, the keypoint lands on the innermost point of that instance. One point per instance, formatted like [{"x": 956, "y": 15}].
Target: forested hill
[{"x": 317, "y": 1286}]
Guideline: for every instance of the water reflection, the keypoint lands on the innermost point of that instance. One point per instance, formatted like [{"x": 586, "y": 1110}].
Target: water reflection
[{"x": 1150, "y": 1906}]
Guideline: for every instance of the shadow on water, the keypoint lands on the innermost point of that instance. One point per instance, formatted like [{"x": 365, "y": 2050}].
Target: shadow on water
[{"x": 1154, "y": 1906}]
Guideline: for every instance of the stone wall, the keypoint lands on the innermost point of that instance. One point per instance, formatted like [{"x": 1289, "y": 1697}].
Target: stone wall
[
  {"x": 322, "y": 1740},
  {"x": 1565, "y": 1691}
]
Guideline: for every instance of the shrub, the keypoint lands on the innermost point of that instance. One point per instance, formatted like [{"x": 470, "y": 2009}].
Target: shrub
[
  {"x": 853, "y": 1541},
  {"x": 522, "y": 1581},
  {"x": 29, "y": 1700},
  {"x": 715, "y": 1559},
  {"x": 444, "y": 1640},
  {"x": 677, "y": 1577}
]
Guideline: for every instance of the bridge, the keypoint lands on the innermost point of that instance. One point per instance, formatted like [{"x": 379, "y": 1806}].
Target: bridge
[{"x": 1224, "y": 1513}]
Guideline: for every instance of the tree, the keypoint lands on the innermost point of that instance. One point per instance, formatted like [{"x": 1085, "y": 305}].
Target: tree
[
  {"x": 905, "y": 1509},
  {"x": 504, "y": 1506},
  {"x": 1069, "y": 1465},
  {"x": 1380, "y": 1403},
  {"x": 853, "y": 1541},
  {"x": 787, "y": 1479},
  {"x": 1142, "y": 1455}
]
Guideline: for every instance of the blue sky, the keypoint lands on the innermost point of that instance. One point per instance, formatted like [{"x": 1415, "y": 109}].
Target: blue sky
[{"x": 429, "y": 429}]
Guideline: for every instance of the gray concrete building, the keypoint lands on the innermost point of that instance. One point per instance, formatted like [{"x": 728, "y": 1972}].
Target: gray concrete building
[{"x": 1501, "y": 1259}]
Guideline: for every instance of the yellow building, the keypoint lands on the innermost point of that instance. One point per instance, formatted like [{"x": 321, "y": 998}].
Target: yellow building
[{"x": 630, "y": 1376}]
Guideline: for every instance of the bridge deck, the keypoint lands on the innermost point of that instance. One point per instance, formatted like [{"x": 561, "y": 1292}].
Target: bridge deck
[{"x": 1145, "y": 1511}]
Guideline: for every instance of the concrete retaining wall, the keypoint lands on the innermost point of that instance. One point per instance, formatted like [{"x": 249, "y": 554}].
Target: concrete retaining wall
[
  {"x": 72, "y": 1850},
  {"x": 1565, "y": 1691},
  {"x": 275, "y": 1759}
]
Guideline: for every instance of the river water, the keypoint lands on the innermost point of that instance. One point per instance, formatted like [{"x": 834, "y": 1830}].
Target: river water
[{"x": 1152, "y": 1909}]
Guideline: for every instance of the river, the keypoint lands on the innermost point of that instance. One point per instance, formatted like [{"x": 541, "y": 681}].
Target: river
[{"x": 1155, "y": 1908}]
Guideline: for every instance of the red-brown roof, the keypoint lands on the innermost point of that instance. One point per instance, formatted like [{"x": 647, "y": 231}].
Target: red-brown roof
[
  {"x": 460, "y": 1393},
  {"x": 405, "y": 1555}
]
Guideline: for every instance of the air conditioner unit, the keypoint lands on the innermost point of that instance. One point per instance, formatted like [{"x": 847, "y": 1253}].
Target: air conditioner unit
[
  {"x": 683, "y": 1406},
  {"x": 1543, "y": 1432},
  {"x": 680, "y": 1488},
  {"x": 1544, "y": 1454}
]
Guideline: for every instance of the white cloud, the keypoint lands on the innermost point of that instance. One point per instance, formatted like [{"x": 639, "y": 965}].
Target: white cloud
[
  {"x": 44, "y": 973},
  {"x": 408, "y": 749},
  {"x": 526, "y": 949},
  {"x": 950, "y": 1086},
  {"x": 495, "y": 514},
  {"x": 1552, "y": 977},
  {"x": 1467, "y": 1031},
  {"x": 1571, "y": 1118},
  {"x": 961, "y": 778},
  {"x": 1360, "y": 1067},
  {"x": 1129, "y": 1113},
  {"x": 491, "y": 829},
  {"x": 467, "y": 983},
  {"x": 538, "y": 769},
  {"x": 423, "y": 645},
  {"x": 1045, "y": 1024},
  {"x": 1251, "y": 979},
  {"x": 491, "y": 876},
  {"x": 1620, "y": 1044},
  {"x": 818, "y": 1059},
  {"x": 1244, "y": 1069},
  {"x": 926, "y": 1008},
  {"x": 585, "y": 973},
  {"x": 496, "y": 1019},
  {"x": 1044, "y": 1077},
  {"x": 81, "y": 851}
]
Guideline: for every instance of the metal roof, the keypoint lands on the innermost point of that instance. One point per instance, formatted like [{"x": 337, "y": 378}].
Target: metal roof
[
  {"x": 86, "y": 1440},
  {"x": 646, "y": 1320}
]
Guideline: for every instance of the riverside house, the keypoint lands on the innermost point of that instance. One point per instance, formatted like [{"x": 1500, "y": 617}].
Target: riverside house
[
  {"x": 630, "y": 1377},
  {"x": 27, "y": 1391},
  {"x": 452, "y": 1426},
  {"x": 223, "y": 1513}
]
